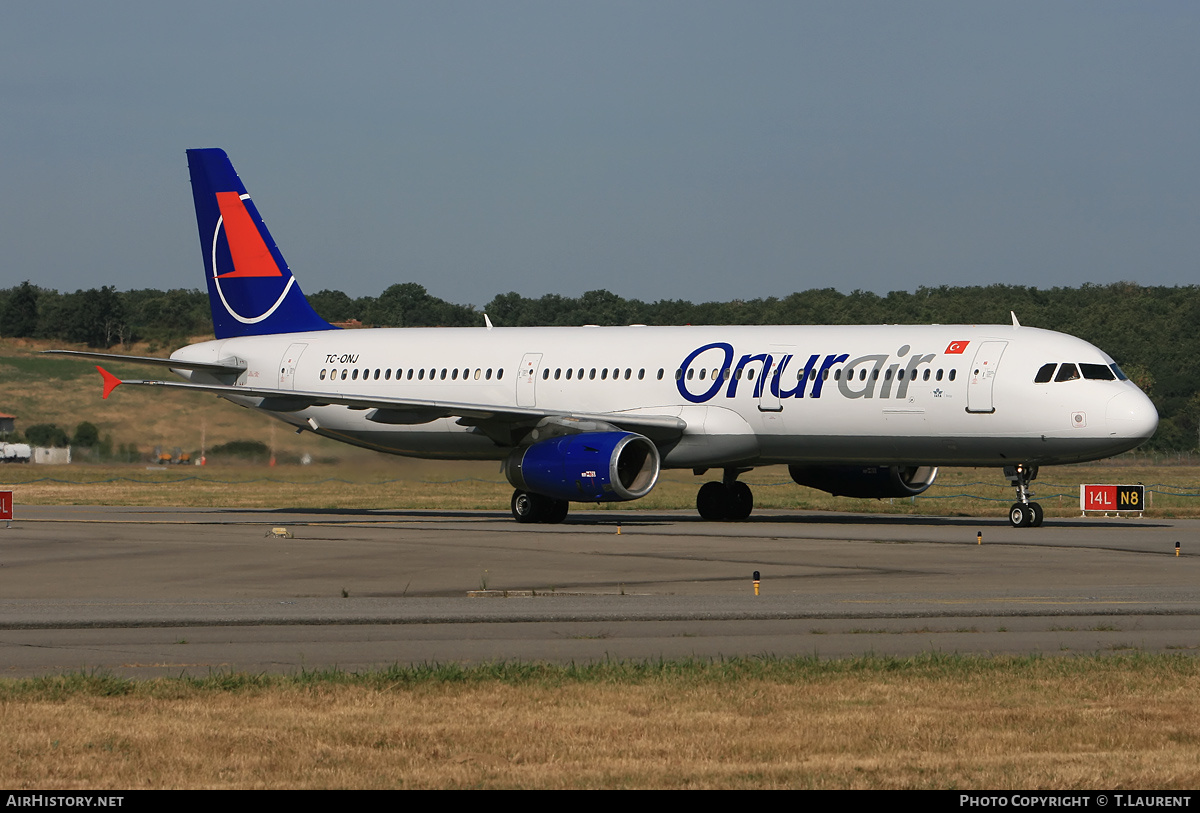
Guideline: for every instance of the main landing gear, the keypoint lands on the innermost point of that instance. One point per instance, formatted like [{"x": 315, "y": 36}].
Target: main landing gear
[
  {"x": 530, "y": 507},
  {"x": 728, "y": 499},
  {"x": 1023, "y": 514}
]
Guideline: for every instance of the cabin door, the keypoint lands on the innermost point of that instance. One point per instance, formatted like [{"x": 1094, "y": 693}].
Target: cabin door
[
  {"x": 527, "y": 379},
  {"x": 982, "y": 376},
  {"x": 287, "y": 366}
]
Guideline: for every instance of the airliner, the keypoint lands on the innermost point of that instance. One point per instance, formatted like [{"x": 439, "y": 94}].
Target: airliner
[{"x": 594, "y": 414}]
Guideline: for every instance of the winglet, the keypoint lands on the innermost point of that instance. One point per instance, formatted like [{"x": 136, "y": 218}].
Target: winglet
[{"x": 111, "y": 382}]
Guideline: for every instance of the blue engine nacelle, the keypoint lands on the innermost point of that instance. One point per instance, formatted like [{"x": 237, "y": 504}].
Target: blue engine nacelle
[
  {"x": 586, "y": 467},
  {"x": 866, "y": 481}
]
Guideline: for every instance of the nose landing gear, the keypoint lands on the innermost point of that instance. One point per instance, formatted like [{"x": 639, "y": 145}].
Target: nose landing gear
[{"x": 1024, "y": 513}]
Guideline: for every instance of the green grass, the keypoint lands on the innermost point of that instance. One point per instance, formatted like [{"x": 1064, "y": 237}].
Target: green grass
[{"x": 790, "y": 670}]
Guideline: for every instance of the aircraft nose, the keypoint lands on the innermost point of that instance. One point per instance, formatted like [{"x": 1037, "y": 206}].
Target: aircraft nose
[{"x": 1132, "y": 415}]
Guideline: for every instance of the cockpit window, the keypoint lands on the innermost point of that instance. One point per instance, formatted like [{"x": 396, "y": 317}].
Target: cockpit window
[
  {"x": 1067, "y": 372},
  {"x": 1097, "y": 372},
  {"x": 1117, "y": 370},
  {"x": 1044, "y": 374}
]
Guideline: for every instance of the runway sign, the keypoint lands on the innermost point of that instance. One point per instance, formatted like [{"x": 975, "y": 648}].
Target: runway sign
[
  {"x": 5, "y": 506},
  {"x": 1112, "y": 499}
]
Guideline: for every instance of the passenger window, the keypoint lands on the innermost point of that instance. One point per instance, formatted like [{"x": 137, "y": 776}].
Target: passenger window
[
  {"x": 1044, "y": 373},
  {"x": 628, "y": 373},
  {"x": 322, "y": 375},
  {"x": 1097, "y": 372},
  {"x": 952, "y": 374},
  {"x": 1067, "y": 372},
  {"x": 569, "y": 371},
  {"x": 926, "y": 376},
  {"x": 410, "y": 374},
  {"x": 546, "y": 374},
  {"x": 641, "y": 374},
  {"x": 354, "y": 376},
  {"x": 557, "y": 373},
  {"x": 592, "y": 374},
  {"x": 500, "y": 374},
  {"x": 478, "y": 372}
]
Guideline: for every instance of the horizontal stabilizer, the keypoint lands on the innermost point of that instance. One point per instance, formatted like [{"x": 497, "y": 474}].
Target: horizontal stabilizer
[{"x": 229, "y": 366}]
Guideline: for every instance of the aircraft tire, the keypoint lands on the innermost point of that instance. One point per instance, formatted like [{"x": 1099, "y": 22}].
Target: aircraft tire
[
  {"x": 712, "y": 501},
  {"x": 556, "y": 512},
  {"x": 1038, "y": 515},
  {"x": 526, "y": 507},
  {"x": 740, "y": 501},
  {"x": 1020, "y": 515}
]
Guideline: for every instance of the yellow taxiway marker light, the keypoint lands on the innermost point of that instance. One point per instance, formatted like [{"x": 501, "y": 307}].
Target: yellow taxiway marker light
[
  {"x": 756, "y": 580},
  {"x": 979, "y": 538}
]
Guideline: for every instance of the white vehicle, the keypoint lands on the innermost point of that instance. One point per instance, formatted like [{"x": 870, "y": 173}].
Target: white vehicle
[
  {"x": 15, "y": 452},
  {"x": 594, "y": 413}
]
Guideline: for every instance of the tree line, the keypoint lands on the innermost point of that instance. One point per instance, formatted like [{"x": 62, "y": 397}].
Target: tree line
[{"x": 1150, "y": 330}]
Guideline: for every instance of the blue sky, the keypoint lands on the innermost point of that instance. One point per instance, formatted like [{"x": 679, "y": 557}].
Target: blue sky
[{"x": 694, "y": 150}]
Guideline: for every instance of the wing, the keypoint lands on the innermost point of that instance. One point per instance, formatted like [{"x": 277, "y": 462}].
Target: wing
[{"x": 504, "y": 424}]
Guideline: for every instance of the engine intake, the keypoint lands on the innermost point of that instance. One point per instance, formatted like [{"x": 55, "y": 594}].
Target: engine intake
[
  {"x": 866, "y": 481},
  {"x": 587, "y": 467}
]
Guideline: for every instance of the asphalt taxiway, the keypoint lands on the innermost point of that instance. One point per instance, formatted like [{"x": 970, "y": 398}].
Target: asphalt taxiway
[{"x": 142, "y": 591}]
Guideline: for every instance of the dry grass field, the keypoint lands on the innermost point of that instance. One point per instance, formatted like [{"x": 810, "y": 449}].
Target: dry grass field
[
  {"x": 931, "y": 722},
  {"x": 372, "y": 481}
]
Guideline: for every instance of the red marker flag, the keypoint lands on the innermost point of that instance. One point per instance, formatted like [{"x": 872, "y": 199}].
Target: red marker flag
[{"x": 956, "y": 348}]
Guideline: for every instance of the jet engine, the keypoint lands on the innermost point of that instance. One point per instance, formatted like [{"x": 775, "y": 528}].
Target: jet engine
[
  {"x": 866, "y": 481},
  {"x": 586, "y": 467}
]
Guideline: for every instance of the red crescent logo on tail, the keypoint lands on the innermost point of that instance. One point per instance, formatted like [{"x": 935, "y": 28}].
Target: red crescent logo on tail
[{"x": 251, "y": 257}]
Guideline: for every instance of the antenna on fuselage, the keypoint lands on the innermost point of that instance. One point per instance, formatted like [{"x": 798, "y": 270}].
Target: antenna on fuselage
[
  {"x": 488, "y": 322},
  {"x": 1013, "y": 314}
]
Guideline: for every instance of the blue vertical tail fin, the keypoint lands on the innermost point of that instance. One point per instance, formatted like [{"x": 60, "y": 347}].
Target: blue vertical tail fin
[{"x": 250, "y": 288}]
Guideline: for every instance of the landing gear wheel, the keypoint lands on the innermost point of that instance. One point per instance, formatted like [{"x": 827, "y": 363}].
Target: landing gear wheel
[
  {"x": 711, "y": 501},
  {"x": 525, "y": 507},
  {"x": 556, "y": 512},
  {"x": 740, "y": 501},
  {"x": 528, "y": 507},
  {"x": 1038, "y": 514},
  {"x": 1020, "y": 515}
]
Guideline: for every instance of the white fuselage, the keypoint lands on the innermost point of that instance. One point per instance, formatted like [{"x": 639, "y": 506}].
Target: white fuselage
[{"x": 870, "y": 394}]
